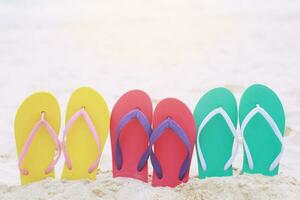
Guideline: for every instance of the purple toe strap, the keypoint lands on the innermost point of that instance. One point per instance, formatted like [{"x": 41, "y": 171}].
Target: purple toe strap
[
  {"x": 168, "y": 123},
  {"x": 131, "y": 115}
]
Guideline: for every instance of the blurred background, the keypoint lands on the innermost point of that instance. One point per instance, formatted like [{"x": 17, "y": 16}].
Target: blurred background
[{"x": 168, "y": 48}]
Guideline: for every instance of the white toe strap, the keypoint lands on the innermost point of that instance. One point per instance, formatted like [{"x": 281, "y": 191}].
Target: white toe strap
[
  {"x": 224, "y": 114},
  {"x": 274, "y": 127}
]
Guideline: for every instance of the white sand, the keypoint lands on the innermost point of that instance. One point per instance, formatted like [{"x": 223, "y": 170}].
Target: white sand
[
  {"x": 167, "y": 48},
  {"x": 239, "y": 188}
]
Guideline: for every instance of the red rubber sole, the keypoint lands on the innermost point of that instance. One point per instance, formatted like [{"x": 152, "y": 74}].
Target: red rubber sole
[
  {"x": 169, "y": 149},
  {"x": 133, "y": 139}
]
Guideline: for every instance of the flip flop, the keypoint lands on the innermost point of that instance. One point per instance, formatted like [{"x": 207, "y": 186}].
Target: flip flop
[
  {"x": 262, "y": 121},
  {"x": 216, "y": 121},
  {"x": 173, "y": 139},
  {"x": 87, "y": 124},
  {"x": 130, "y": 130},
  {"x": 37, "y": 124}
]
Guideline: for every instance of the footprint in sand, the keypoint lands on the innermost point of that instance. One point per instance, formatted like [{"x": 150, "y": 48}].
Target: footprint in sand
[{"x": 98, "y": 193}]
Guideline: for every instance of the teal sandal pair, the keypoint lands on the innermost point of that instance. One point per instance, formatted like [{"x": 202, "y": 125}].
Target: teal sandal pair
[{"x": 260, "y": 120}]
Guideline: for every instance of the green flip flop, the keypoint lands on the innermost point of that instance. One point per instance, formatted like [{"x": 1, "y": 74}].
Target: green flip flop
[
  {"x": 216, "y": 119},
  {"x": 262, "y": 122}
]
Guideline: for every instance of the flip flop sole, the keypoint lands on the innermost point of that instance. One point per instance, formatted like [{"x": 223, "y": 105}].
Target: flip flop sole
[
  {"x": 169, "y": 149},
  {"x": 80, "y": 143},
  {"x": 216, "y": 138},
  {"x": 261, "y": 140},
  {"x": 134, "y": 139},
  {"x": 42, "y": 149}
]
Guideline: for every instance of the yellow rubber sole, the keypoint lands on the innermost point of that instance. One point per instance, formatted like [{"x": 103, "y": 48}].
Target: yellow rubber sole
[
  {"x": 42, "y": 149},
  {"x": 80, "y": 143}
]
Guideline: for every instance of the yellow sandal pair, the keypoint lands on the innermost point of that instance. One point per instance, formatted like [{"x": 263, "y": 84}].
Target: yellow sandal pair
[{"x": 37, "y": 127}]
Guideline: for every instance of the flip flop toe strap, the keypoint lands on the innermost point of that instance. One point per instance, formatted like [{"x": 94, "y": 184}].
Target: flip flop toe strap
[
  {"x": 132, "y": 115},
  {"x": 93, "y": 131},
  {"x": 213, "y": 113},
  {"x": 28, "y": 142},
  {"x": 168, "y": 123},
  {"x": 273, "y": 125}
]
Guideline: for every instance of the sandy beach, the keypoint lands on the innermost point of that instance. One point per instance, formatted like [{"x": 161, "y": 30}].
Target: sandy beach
[
  {"x": 167, "y": 48},
  {"x": 236, "y": 188}
]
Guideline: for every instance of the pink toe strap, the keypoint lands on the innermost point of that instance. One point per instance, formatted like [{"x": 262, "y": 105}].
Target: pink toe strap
[
  {"x": 28, "y": 142},
  {"x": 93, "y": 130}
]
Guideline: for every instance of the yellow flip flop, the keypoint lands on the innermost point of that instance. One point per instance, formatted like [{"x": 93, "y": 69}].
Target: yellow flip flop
[
  {"x": 87, "y": 125},
  {"x": 37, "y": 124}
]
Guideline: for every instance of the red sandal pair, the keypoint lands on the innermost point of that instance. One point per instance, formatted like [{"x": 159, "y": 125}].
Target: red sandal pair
[{"x": 135, "y": 129}]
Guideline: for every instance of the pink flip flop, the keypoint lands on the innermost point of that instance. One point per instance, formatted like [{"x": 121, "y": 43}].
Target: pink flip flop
[
  {"x": 130, "y": 130},
  {"x": 173, "y": 137}
]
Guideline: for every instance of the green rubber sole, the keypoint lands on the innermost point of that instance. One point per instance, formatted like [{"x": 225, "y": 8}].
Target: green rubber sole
[
  {"x": 216, "y": 139},
  {"x": 259, "y": 136}
]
